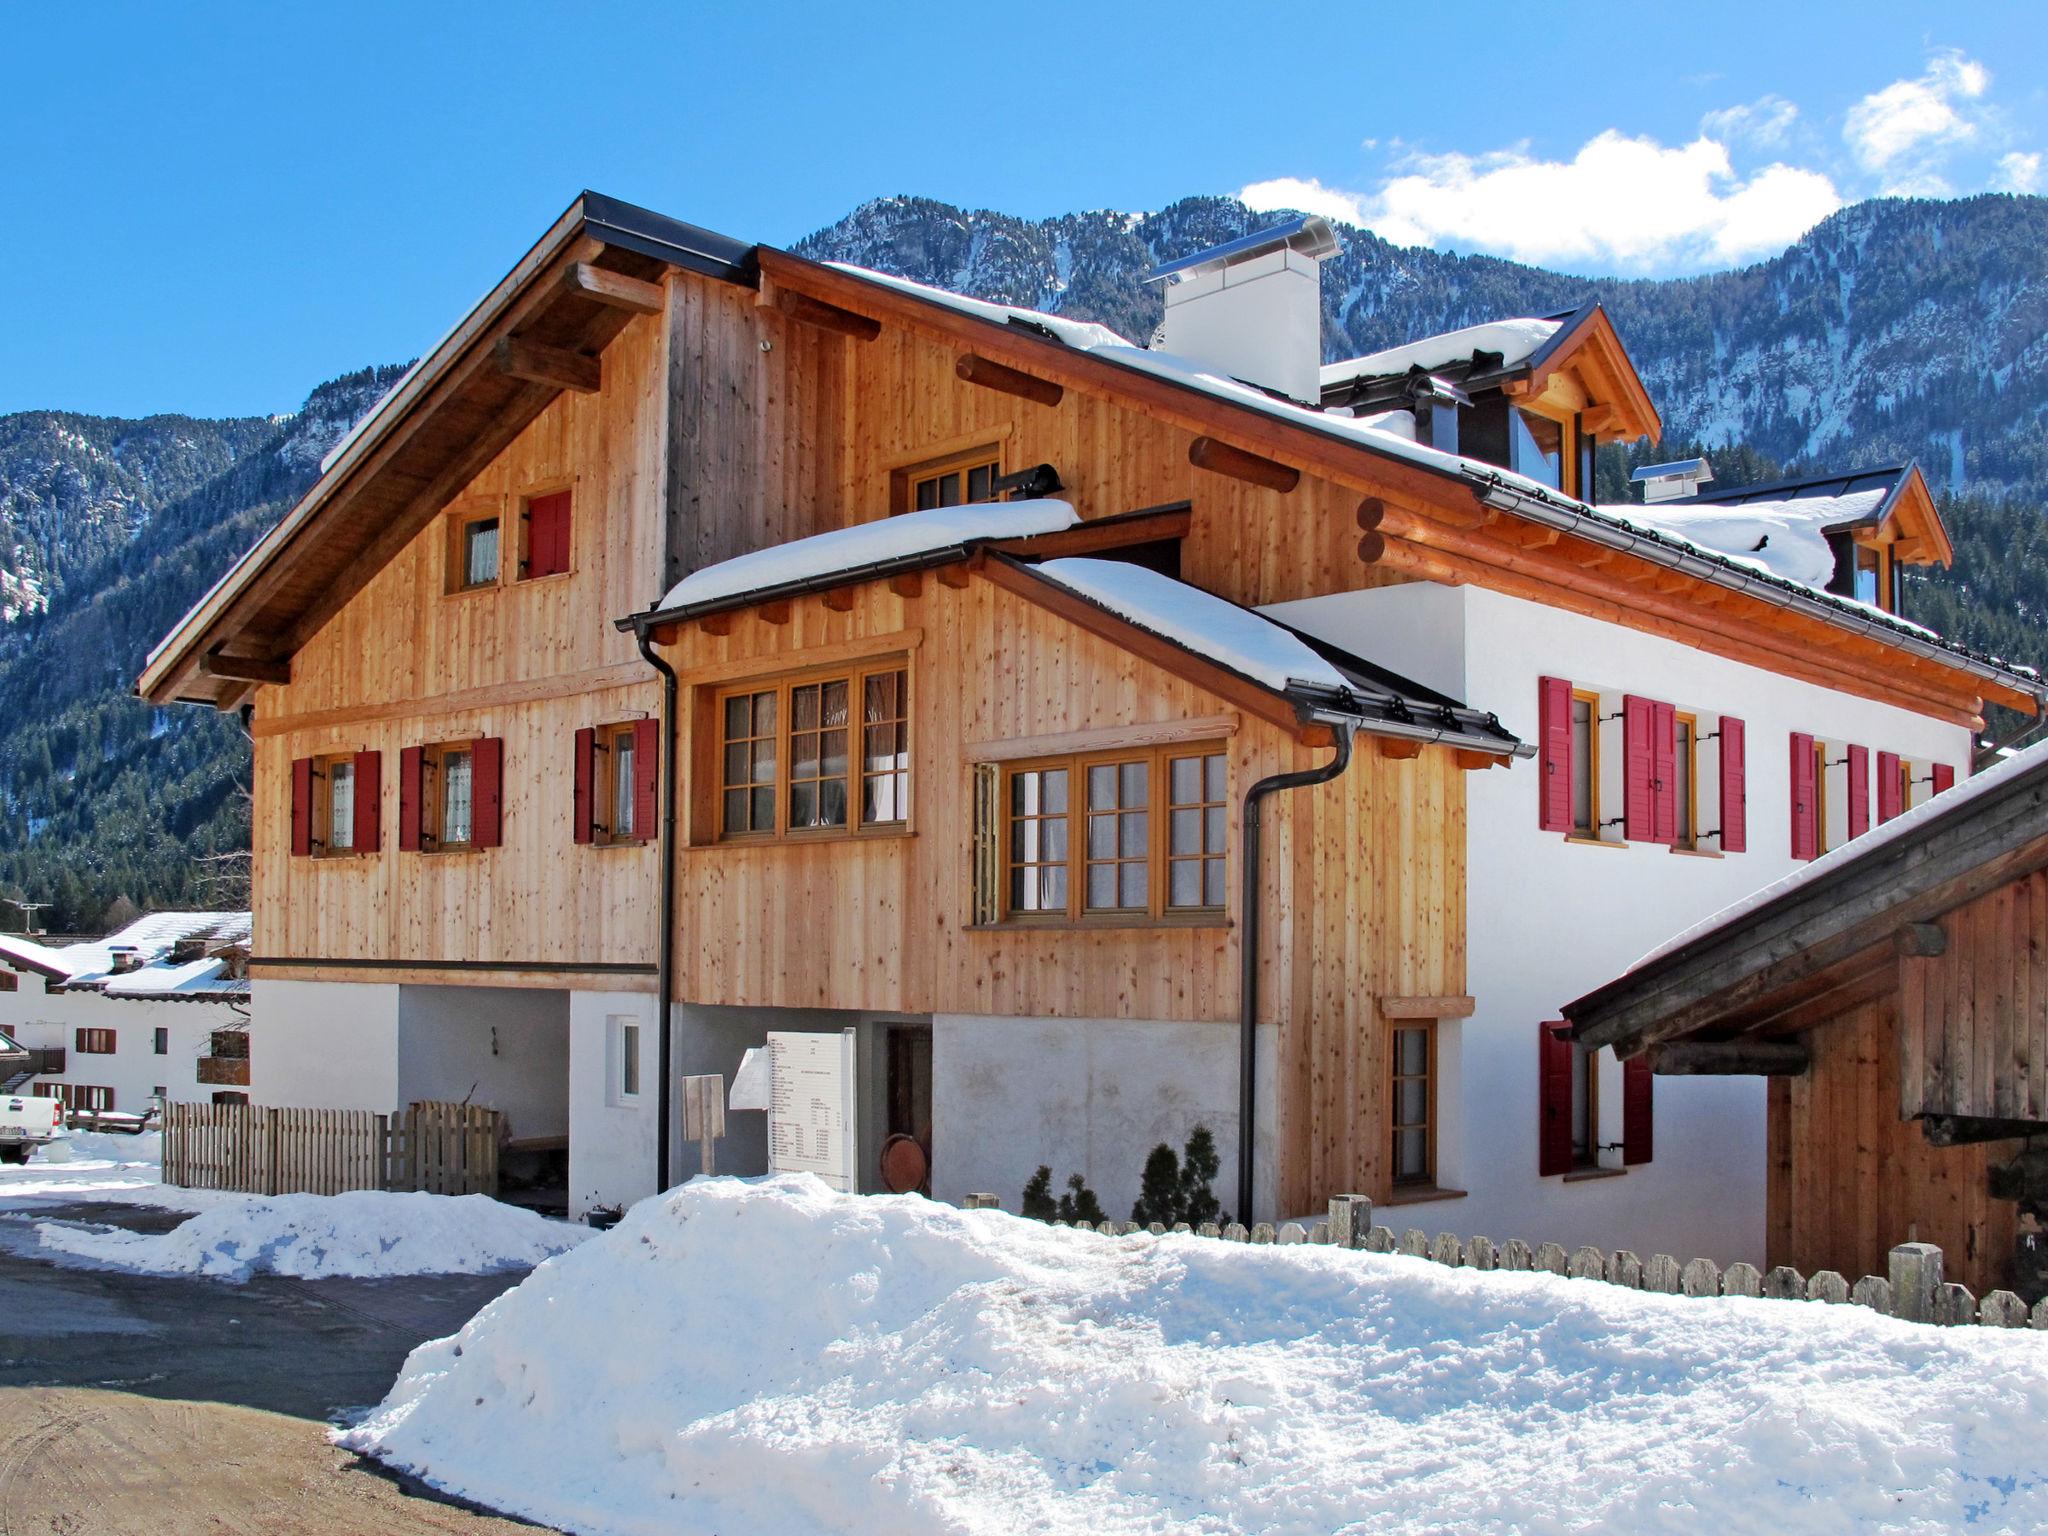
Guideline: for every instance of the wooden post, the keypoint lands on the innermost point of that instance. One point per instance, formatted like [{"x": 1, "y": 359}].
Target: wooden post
[
  {"x": 704, "y": 1117},
  {"x": 1916, "y": 1281},
  {"x": 1350, "y": 1220}
]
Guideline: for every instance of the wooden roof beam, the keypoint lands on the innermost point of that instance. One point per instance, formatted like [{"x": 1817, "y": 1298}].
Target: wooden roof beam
[
  {"x": 990, "y": 374},
  {"x": 601, "y": 285},
  {"x": 1219, "y": 458},
  {"x": 1731, "y": 1058},
  {"x": 245, "y": 669},
  {"x": 805, "y": 310},
  {"x": 536, "y": 363}
]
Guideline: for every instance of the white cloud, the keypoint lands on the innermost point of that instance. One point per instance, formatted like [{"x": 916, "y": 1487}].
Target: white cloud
[
  {"x": 2018, "y": 172},
  {"x": 1902, "y": 133},
  {"x": 1765, "y": 123},
  {"x": 1621, "y": 203}
]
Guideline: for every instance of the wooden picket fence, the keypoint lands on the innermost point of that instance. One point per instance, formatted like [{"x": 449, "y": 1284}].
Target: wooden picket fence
[
  {"x": 1914, "y": 1291},
  {"x": 443, "y": 1149}
]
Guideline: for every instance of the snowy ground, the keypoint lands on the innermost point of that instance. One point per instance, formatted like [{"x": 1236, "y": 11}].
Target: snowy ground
[
  {"x": 771, "y": 1357},
  {"x": 365, "y": 1234}
]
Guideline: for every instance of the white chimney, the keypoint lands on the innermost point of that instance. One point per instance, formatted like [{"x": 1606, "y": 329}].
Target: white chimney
[{"x": 1252, "y": 308}]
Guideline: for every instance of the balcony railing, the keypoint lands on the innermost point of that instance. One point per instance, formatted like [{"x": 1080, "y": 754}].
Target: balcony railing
[{"x": 224, "y": 1071}]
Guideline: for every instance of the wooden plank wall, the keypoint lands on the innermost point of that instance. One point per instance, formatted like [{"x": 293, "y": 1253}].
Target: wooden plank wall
[
  {"x": 1974, "y": 1020},
  {"x": 1849, "y": 1178}
]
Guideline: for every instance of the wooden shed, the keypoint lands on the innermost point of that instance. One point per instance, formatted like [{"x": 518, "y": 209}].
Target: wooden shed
[{"x": 1895, "y": 994}]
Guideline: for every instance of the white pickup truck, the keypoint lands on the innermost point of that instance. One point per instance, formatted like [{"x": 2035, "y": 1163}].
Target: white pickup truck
[{"x": 26, "y": 1121}]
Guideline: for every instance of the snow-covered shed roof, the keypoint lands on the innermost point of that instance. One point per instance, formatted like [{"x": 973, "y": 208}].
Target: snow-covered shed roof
[
  {"x": 1515, "y": 341},
  {"x": 150, "y": 942},
  {"x": 1876, "y": 878}
]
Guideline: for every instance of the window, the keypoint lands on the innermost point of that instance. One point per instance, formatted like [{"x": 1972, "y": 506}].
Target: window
[
  {"x": 157, "y": 1092},
  {"x": 161, "y": 1045},
  {"x": 786, "y": 761},
  {"x": 473, "y": 552},
  {"x": 229, "y": 1096},
  {"x": 1103, "y": 852},
  {"x": 621, "y": 782},
  {"x": 76, "y": 1096},
  {"x": 544, "y": 535},
  {"x": 1585, "y": 1106},
  {"x": 95, "y": 1042},
  {"x": 623, "y": 1049},
  {"x": 947, "y": 482},
  {"x": 616, "y": 771},
  {"x": 341, "y": 805},
  {"x": 1685, "y": 758},
  {"x": 335, "y": 804},
  {"x": 1585, "y": 764},
  {"x": 456, "y": 800},
  {"x": 450, "y": 795},
  {"x": 1413, "y": 1095}
]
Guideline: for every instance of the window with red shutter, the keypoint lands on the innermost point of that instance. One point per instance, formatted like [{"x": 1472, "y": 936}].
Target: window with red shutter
[
  {"x": 1638, "y": 770},
  {"x": 411, "y": 797},
  {"x": 1891, "y": 787},
  {"x": 1554, "y": 1099},
  {"x": 1638, "y": 1100},
  {"x": 547, "y": 535},
  {"x": 1944, "y": 777},
  {"x": 488, "y": 766},
  {"x": 369, "y": 807},
  {"x": 1734, "y": 789},
  {"x": 1664, "y": 773},
  {"x": 583, "y": 803},
  {"x": 1805, "y": 799},
  {"x": 1859, "y": 791},
  {"x": 646, "y": 776},
  {"x": 302, "y": 806},
  {"x": 1554, "y": 810}
]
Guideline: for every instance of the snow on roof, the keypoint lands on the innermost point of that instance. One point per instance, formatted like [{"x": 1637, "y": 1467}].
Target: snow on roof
[
  {"x": 973, "y": 1371},
  {"x": 868, "y": 544},
  {"x": 1786, "y": 538},
  {"x": 1946, "y": 803},
  {"x": 1515, "y": 340},
  {"x": 195, "y": 978},
  {"x": 20, "y": 951},
  {"x": 1208, "y": 625},
  {"x": 90, "y": 965}
]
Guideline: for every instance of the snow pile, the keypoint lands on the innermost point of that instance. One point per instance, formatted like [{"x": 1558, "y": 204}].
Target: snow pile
[
  {"x": 96, "y": 1165},
  {"x": 776, "y": 1358},
  {"x": 361, "y": 1234},
  {"x": 1208, "y": 625},
  {"x": 1787, "y": 538},
  {"x": 867, "y": 544}
]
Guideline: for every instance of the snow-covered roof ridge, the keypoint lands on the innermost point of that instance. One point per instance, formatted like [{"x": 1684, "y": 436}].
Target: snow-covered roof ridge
[
  {"x": 1786, "y": 538},
  {"x": 1947, "y": 803},
  {"x": 1197, "y": 621},
  {"x": 840, "y": 551},
  {"x": 1516, "y": 340}
]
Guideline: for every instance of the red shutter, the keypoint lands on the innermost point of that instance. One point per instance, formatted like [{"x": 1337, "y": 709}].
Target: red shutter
[
  {"x": 1664, "y": 771},
  {"x": 1859, "y": 791},
  {"x": 547, "y": 535},
  {"x": 302, "y": 805},
  {"x": 1944, "y": 777},
  {"x": 487, "y": 790},
  {"x": 1805, "y": 807},
  {"x": 1734, "y": 792},
  {"x": 585, "y": 799},
  {"x": 1637, "y": 1104},
  {"x": 1638, "y": 770},
  {"x": 1554, "y": 734},
  {"x": 1554, "y": 1107},
  {"x": 646, "y": 776},
  {"x": 1888, "y": 800},
  {"x": 369, "y": 800},
  {"x": 412, "y": 767}
]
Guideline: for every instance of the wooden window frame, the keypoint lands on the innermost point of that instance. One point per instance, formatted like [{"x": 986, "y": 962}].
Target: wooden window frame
[
  {"x": 1158, "y": 911},
  {"x": 523, "y": 521},
  {"x": 321, "y": 812},
  {"x": 95, "y": 1040},
  {"x": 710, "y": 809},
  {"x": 1687, "y": 834},
  {"x": 433, "y": 797},
  {"x": 604, "y": 784},
  {"x": 1427, "y": 1178},
  {"x": 1591, "y": 833},
  {"x": 460, "y": 519},
  {"x": 905, "y": 479}
]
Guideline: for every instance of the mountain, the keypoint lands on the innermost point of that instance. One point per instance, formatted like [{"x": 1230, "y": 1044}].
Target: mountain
[{"x": 1895, "y": 329}]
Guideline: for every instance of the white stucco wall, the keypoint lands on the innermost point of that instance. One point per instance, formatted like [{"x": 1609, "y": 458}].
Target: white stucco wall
[
  {"x": 1087, "y": 1096},
  {"x": 611, "y": 1136},
  {"x": 1550, "y": 920},
  {"x": 325, "y": 1045},
  {"x": 507, "y": 1047},
  {"x": 134, "y": 1070}
]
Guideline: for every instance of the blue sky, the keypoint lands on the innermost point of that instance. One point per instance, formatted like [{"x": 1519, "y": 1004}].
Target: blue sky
[{"x": 215, "y": 207}]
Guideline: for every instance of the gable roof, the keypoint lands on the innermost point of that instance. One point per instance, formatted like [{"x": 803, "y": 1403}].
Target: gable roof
[
  {"x": 1861, "y": 498},
  {"x": 1731, "y": 971}
]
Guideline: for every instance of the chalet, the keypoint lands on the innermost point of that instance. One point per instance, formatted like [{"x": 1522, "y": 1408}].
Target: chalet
[
  {"x": 1891, "y": 995},
  {"x": 158, "y": 1009},
  {"x": 702, "y": 641}
]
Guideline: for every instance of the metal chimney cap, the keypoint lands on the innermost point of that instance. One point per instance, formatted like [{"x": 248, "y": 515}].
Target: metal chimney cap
[{"x": 1308, "y": 233}]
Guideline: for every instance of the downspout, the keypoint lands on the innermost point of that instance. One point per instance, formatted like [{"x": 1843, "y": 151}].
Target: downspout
[
  {"x": 665, "y": 940},
  {"x": 1248, "y": 956}
]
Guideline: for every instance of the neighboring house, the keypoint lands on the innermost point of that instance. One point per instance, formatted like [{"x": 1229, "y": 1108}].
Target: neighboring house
[
  {"x": 489, "y": 759},
  {"x": 156, "y": 1010},
  {"x": 1892, "y": 994}
]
